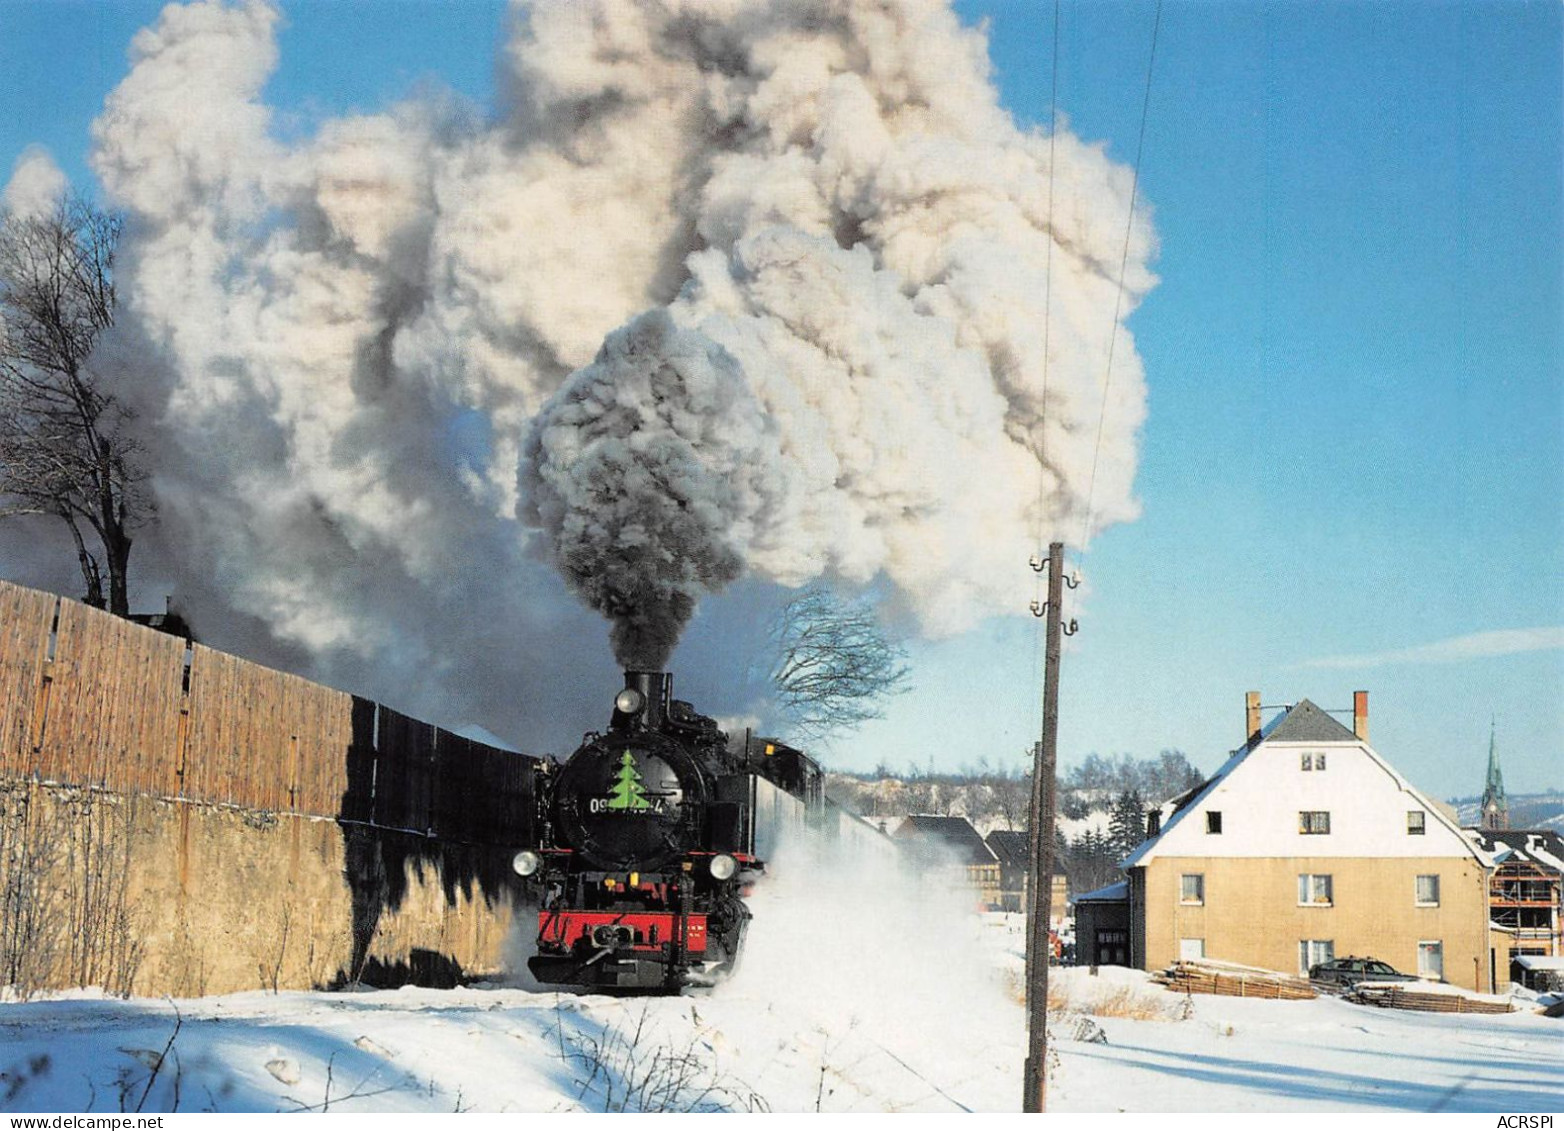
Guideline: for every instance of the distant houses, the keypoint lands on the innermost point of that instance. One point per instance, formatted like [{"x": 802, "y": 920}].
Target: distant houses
[
  {"x": 1525, "y": 902},
  {"x": 1306, "y": 845},
  {"x": 994, "y": 868},
  {"x": 953, "y": 846},
  {"x": 1013, "y": 850},
  {"x": 1526, "y": 891}
]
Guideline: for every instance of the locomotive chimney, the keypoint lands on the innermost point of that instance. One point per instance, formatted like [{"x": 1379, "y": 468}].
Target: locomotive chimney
[{"x": 650, "y": 701}]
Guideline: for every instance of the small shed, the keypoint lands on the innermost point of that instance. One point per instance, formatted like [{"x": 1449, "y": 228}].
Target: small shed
[
  {"x": 1541, "y": 972},
  {"x": 1102, "y": 926}
]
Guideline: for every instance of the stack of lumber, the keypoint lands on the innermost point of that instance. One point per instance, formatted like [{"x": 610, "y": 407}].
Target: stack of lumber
[
  {"x": 1196, "y": 977},
  {"x": 1428, "y": 999}
]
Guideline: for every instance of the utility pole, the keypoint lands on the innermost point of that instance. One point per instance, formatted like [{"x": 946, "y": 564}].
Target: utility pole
[{"x": 1039, "y": 894}]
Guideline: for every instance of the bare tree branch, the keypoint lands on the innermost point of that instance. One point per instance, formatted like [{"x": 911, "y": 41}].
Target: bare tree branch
[
  {"x": 834, "y": 663},
  {"x": 65, "y": 449}
]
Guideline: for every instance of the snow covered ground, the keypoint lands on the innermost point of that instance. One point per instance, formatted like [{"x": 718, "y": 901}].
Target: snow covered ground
[
  {"x": 1323, "y": 1055},
  {"x": 852, "y": 998}
]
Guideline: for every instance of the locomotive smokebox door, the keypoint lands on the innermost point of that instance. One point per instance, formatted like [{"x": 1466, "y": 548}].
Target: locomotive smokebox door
[{"x": 626, "y": 800}]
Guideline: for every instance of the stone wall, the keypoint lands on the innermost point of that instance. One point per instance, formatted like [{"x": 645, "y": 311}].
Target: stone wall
[{"x": 152, "y": 896}]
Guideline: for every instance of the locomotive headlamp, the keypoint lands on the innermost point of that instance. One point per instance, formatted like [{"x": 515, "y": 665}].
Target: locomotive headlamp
[
  {"x": 723, "y": 866},
  {"x": 629, "y": 701},
  {"x": 526, "y": 862}
]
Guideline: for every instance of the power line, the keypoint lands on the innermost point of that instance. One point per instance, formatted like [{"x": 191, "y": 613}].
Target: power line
[
  {"x": 1045, "y": 760},
  {"x": 1118, "y": 306}
]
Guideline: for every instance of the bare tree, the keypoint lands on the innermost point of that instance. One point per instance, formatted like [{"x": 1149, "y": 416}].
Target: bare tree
[
  {"x": 834, "y": 663},
  {"x": 1013, "y": 797},
  {"x": 64, "y": 449}
]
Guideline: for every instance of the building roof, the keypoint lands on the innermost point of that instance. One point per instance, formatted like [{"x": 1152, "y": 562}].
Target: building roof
[
  {"x": 1541, "y": 846},
  {"x": 1307, "y": 723},
  {"x": 1538, "y": 961},
  {"x": 1187, "y": 796},
  {"x": 1113, "y": 893},
  {"x": 1301, "y": 723},
  {"x": 955, "y": 834},
  {"x": 1014, "y": 849}
]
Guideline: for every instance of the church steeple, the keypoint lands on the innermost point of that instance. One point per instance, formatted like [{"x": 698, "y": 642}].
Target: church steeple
[{"x": 1495, "y": 809}]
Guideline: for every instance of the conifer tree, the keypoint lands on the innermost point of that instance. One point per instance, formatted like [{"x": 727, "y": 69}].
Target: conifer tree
[
  {"x": 1127, "y": 824},
  {"x": 628, "y": 792}
]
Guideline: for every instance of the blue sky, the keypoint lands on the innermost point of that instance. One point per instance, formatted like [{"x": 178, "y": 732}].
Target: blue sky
[
  {"x": 1355, "y": 435},
  {"x": 1355, "y": 446}
]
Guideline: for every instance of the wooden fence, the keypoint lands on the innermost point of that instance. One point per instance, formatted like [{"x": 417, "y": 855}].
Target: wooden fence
[
  {"x": 1400, "y": 997},
  {"x": 1186, "y": 977},
  {"x": 88, "y": 699}
]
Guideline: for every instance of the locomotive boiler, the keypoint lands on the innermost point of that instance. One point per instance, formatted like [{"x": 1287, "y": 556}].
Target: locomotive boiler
[{"x": 647, "y": 839}]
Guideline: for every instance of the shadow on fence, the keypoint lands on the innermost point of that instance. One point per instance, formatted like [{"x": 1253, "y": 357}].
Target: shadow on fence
[{"x": 90, "y": 701}]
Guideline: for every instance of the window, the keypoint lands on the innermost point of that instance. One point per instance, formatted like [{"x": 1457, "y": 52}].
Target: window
[
  {"x": 1213, "y": 822},
  {"x": 1307, "y": 761},
  {"x": 1319, "y": 761},
  {"x": 1314, "y": 760},
  {"x": 1428, "y": 891},
  {"x": 1416, "y": 822},
  {"x": 1314, "y": 822},
  {"x": 1314, "y": 890},
  {"x": 1113, "y": 948},
  {"x": 1312, "y": 952},
  {"x": 1192, "y": 888},
  {"x": 1431, "y": 960},
  {"x": 1191, "y": 948}
]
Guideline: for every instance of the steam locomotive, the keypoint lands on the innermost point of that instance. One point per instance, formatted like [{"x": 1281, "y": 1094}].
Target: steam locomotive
[{"x": 649, "y": 837}]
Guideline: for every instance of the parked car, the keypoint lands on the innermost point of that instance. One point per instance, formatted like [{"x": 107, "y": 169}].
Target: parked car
[{"x": 1350, "y": 971}]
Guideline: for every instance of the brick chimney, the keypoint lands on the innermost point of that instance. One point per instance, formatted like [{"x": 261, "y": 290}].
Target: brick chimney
[
  {"x": 1252, "y": 716},
  {"x": 1360, "y": 715}
]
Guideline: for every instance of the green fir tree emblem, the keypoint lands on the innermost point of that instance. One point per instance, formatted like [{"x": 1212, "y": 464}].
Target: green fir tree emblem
[{"x": 629, "y": 791}]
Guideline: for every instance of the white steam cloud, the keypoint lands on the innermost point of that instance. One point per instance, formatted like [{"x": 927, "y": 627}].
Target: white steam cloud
[
  {"x": 804, "y": 243},
  {"x": 36, "y": 184}
]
